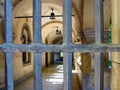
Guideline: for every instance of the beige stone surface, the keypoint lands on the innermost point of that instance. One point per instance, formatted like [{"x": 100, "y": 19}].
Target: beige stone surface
[
  {"x": 86, "y": 63},
  {"x": 115, "y": 85},
  {"x": 2, "y": 76}
]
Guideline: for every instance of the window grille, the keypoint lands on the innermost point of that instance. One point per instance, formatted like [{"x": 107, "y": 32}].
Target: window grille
[{"x": 67, "y": 47}]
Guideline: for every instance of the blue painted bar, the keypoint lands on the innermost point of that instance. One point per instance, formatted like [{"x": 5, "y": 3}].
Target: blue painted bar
[
  {"x": 8, "y": 39},
  {"x": 37, "y": 71},
  {"x": 9, "y": 71},
  {"x": 67, "y": 21},
  {"x": 8, "y": 21},
  {"x": 86, "y": 82},
  {"x": 67, "y": 62},
  {"x": 37, "y": 39},
  {"x": 37, "y": 21},
  {"x": 67, "y": 40}
]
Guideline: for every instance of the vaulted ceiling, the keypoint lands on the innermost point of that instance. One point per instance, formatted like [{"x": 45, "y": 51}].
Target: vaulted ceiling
[{"x": 83, "y": 18}]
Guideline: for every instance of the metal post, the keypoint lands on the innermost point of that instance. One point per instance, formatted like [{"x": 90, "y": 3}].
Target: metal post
[
  {"x": 67, "y": 39},
  {"x": 67, "y": 21},
  {"x": 67, "y": 61},
  {"x": 86, "y": 82},
  {"x": 8, "y": 39},
  {"x": 37, "y": 39},
  {"x": 99, "y": 38}
]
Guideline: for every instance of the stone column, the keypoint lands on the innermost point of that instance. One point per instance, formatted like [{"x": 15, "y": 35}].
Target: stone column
[{"x": 115, "y": 78}]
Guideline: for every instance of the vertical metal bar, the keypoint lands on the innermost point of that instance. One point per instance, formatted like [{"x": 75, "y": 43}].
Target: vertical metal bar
[
  {"x": 67, "y": 61},
  {"x": 99, "y": 24},
  {"x": 37, "y": 21},
  {"x": 86, "y": 82},
  {"x": 9, "y": 71},
  {"x": 67, "y": 21},
  {"x": 67, "y": 39},
  {"x": 37, "y": 71},
  {"x": 8, "y": 21},
  {"x": 99, "y": 71},
  {"x": 37, "y": 39},
  {"x": 8, "y": 39},
  {"x": 99, "y": 37}
]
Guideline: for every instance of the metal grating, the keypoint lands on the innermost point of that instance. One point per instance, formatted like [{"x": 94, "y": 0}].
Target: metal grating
[{"x": 37, "y": 47}]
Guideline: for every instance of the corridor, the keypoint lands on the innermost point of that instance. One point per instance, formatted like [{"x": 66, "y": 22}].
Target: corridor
[
  {"x": 42, "y": 34},
  {"x": 52, "y": 79}
]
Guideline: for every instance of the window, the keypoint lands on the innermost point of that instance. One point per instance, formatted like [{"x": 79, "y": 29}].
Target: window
[{"x": 26, "y": 39}]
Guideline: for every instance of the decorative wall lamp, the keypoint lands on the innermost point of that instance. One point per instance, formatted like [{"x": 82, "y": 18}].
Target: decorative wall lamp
[
  {"x": 58, "y": 32},
  {"x": 52, "y": 14}
]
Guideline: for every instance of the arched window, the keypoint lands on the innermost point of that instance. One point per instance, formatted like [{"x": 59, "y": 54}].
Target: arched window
[{"x": 26, "y": 39}]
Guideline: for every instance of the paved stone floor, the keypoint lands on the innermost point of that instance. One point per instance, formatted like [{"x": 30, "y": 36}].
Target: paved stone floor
[{"x": 52, "y": 80}]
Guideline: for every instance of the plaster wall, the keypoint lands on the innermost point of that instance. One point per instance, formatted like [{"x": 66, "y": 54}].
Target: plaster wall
[
  {"x": 89, "y": 14},
  {"x": 20, "y": 70},
  {"x": 43, "y": 60}
]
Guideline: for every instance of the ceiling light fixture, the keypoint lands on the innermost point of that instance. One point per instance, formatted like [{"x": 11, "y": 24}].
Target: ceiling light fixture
[
  {"x": 52, "y": 14},
  {"x": 58, "y": 32}
]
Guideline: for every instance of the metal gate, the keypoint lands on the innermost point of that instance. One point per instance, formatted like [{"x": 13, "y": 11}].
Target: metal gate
[{"x": 67, "y": 47}]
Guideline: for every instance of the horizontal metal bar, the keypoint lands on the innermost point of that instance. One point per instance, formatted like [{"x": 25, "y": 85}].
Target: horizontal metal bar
[
  {"x": 57, "y": 48},
  {"x": 18, "y": 17}
]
